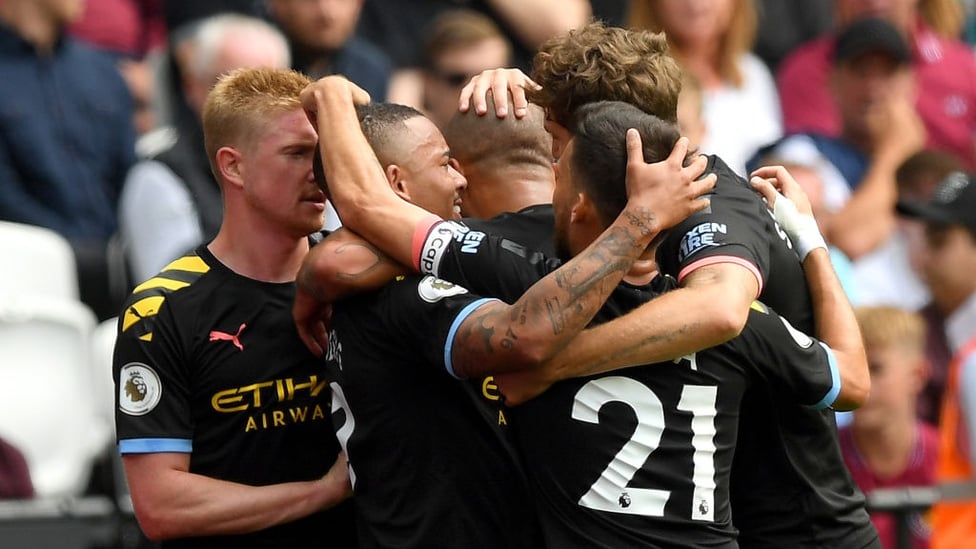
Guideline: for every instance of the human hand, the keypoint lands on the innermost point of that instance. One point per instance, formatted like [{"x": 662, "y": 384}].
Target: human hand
[
  {"x": 336, "y": 485},
  {"x": 500, "y": 82},
  {"x": 335, "y": 86},
  {"x": 790, "y": 207},
  {"x": 897, "y": 129},
  {"x": 312, "y": 318},
  {"x": 668, "y": 191},
  {"x": 520, "y": 387}
]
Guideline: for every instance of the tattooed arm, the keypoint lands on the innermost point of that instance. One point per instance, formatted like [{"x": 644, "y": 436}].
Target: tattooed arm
[
  {"x": 341, "y": 265},
  {"x": 345, "y": 264},
  {"x": 497, "y": 337},
  {"x": 669, "y": 326}
]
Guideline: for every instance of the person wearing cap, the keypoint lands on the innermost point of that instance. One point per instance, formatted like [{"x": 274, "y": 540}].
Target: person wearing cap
[
  {"x": 944, "y": 67},
  {"x": 950, "y": 261},
  {"x": 873, "y": 87}
]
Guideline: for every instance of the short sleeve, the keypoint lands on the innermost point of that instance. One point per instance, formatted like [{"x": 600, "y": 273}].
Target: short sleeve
[
  {"x": 789, "y": 361},
  {"x": 153, "y": 412},
  {"x": 732, "y": 230},
  {"x": 424, "y": 313}
]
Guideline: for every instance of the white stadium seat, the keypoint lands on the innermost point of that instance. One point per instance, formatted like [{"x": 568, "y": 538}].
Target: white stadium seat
[
  {"x": 47, "y": 406},
  {"x": 36, "y": 261}
]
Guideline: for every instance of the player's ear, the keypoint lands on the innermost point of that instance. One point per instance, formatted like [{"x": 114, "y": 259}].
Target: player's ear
[
  {"x": 230, "y": 166},
  {"x": 581, "y": 209},
  {"x": 395, "y": 176}
]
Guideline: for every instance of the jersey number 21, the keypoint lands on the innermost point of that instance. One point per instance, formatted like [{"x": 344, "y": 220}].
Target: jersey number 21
[{"x": 610, "y": 492}]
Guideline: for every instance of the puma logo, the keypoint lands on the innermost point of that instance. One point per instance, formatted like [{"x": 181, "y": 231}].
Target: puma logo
[{"x": 216, "y": 335}]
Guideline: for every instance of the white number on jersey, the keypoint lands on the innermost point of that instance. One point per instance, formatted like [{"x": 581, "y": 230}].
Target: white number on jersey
[
  {"x": 348, "y": 426},
  {"x": 611, "y": 492}
]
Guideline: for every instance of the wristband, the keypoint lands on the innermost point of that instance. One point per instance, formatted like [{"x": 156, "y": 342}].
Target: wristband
[{"x": 801, "y": 228}]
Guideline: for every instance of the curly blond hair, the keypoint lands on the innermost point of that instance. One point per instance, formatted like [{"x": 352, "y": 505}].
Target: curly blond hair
[{"x": 600, "y": 63}]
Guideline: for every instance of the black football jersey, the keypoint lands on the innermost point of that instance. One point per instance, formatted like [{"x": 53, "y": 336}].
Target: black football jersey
[
  {"x": 532, "y": 227},
  {"x": 641, "y": 456},
  {"x": 209, "y": 363},
  {"x": 787, "y": 497},
  {"x": 431, "y": 462},
  {"x": 738, "y": 227}
]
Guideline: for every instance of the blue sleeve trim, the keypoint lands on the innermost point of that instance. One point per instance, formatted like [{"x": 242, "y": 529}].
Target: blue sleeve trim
[
  {"x": 155, "y": 445},
  {"x": 834, "y": 392},
  {"x": 449, "y": 344}
]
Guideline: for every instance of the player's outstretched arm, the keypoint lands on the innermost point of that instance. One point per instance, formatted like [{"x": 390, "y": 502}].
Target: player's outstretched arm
[
  {"x": 341, "y": 265},
  {"x": 834, "y": 318},
  {"x": 358, "y": 187},
  {"x": 498, "y": 337},
  {"x": 171, "y": 502}
]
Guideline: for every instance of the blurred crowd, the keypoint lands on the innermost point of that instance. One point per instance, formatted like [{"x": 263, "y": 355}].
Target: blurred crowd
[{"x": 870, "y": 104}]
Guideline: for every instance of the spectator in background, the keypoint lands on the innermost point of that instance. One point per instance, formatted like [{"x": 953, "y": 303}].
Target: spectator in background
[
  {"x": 944, "y": 68},
  {"x": 887, "y": 273},
  {"x": 130, "y": 30},
  {"x": 691, "y": 111},
  {"x": 459, "y": 44},
  {"x": 171, "y": 201},
  {"x": 712, "y": 40},
  {"x": 949, "y": 264},
  {"x": 918, "y": 178},
  {"x": 399, "y": 28},
  {"x": 886, "y": 445},
  {"x": 322, "y": 42},
  {"x": 874, "y": 91},
  {"x": 66, "y": 136}
]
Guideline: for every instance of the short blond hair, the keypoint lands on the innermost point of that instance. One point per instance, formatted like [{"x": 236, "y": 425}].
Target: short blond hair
[
  {"x": 885, "y": 326},
  {"x": 737, "y": 39},
  {"x": 242, "y": 101}
]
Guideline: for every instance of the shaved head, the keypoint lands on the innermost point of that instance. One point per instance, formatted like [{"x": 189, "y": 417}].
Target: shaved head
[{"x": 489, "y": 141}]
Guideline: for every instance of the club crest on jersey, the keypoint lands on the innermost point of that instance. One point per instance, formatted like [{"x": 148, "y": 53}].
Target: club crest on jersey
[
  {"x": 801, "y": 339},
  {"x": 701, "y": 236},
  {"x": 432, "y": 289},
  {"x": 139, "y": 389}
]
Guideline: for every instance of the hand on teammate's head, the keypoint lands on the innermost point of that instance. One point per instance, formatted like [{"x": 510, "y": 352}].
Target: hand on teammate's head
[
  {"x": 775, "y": 181},
  {"x": 500, "y": 82},
  {"x": 317, "y": 90}
]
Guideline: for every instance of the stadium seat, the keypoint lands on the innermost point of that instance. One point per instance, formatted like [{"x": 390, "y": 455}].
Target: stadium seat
[
  {"x": 102, "y": 347},
  {"x": 46, "y": 398},
  {"x": 36, "y": 261}
]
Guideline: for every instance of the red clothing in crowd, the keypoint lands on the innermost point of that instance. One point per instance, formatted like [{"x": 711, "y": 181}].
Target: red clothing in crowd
[
  {"x": 921, "y": 471},
  {"x": 945, "y": 71}
]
